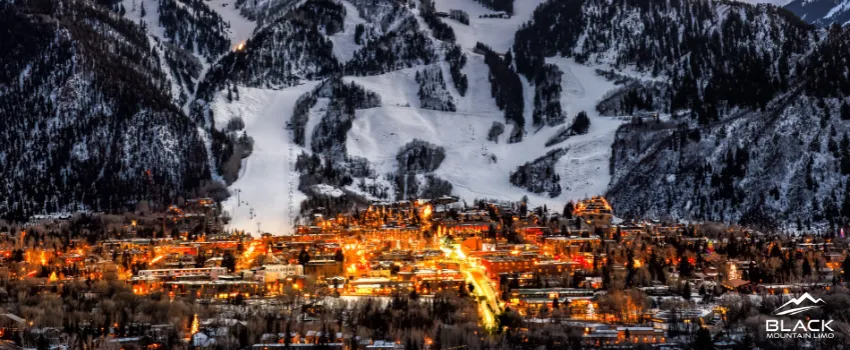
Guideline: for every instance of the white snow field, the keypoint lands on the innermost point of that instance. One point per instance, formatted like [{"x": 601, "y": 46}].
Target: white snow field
[
  {"x": 378, "y": 133},
  {"x": 267, "y": 185}
]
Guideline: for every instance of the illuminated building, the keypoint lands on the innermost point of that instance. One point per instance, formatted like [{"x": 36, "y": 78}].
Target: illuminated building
[
  {"x": 595, "y": 211},
  {"x": 211, "y": 272},
  {"x": 271, "y": 273}
]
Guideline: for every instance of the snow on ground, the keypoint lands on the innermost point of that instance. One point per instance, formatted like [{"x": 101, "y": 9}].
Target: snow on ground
[
  {"x": 378, "y": 133},
  {"x": 241, "y": 28},
  {"x": 328, "y": 190},
  {"x": 314, "y": 118},
  {"x": 267, "y": 184},
  {"x": 267, "y": 188},
  {"x": 344, "y": 45},
  {"x": 498, "y": 33},
  {"x": 772, "y": 2},
  {"x": 133, "y": 13},
  {"x": 586, "y": 164}
]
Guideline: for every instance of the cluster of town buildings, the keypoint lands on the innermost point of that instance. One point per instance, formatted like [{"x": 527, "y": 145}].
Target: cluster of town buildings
[{"x": 503, "y": 255}]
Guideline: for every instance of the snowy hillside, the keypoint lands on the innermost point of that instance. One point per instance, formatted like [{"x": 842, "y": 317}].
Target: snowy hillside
[
  {"x": 88, "y": 119},
  {"x": 498, "y": 33},
  {"x": 821, "y": 13},
  {"x": 188, "y": 24},
  {"x": 524, "y": 136},
  {"x": 474, "y": 167},
  {"x": 325, "y": 105}
]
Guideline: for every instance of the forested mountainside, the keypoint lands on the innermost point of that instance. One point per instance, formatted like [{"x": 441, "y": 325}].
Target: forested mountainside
[
  {"x": 194, "y": 35},
  {"x": 752, "y": 103},
  {"x": 188, "y": 24},
  {"x": 756, "y": 98},
  {"x": 821, "y": 13},
  {"x": 785, "y": 164},
  {"x": 283, "y": 53},
  {"x": 708, "y": 51},
  {"x": 86, "y": 118},
  {"x": 264, "y": 11}
]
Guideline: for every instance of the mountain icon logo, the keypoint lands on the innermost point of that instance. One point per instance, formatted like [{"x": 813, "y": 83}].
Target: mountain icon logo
[{"x": 798, "y": 309}]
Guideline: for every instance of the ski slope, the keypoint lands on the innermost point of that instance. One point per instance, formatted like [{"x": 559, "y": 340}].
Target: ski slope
[
  {"x": 344, "y": 45},
  {"x": 267, "y": 187},
  {"x": 378, "y": 133}
]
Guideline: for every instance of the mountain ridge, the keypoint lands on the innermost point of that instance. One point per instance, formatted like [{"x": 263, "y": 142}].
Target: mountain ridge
[{"x": 719, "y": 74}]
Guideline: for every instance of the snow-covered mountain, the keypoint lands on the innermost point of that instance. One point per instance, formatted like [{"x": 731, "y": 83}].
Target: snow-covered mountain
[
  {"x": 334, "y": 103},
  {"x": 87, "y": 112},
  {"x": 822, "y": 13}
]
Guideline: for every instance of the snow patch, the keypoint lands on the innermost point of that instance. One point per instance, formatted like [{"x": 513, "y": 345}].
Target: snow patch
[
  {"x": 241, "y": 28},
  {"x": 344, "y": 45},
  {"x": 328, "y": 190}
]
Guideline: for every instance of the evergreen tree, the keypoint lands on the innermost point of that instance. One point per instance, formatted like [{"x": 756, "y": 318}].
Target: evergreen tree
[
  {"x": 568, "y": 210},
  {"x": 287, "y": 335},
  {"x": 358, "y": 33},
  {"x": 703, "y": 340},
  {"x": 303, "y": 257},
  {"x": 581, "y": 124}
]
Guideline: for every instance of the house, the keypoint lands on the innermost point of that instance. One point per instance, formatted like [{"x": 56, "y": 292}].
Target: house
[
  {"x": 735, "y": 284},
  {"x": 326, "y": 268},
  {"x": 328, "y": 346},
  {"x": 681, "y": 319},
  {"x": 640, "y": 335},
  {"x": 595, "y": 211},
  {"x": 384, "y": 344},
  {"x": 272, "y": 273}
]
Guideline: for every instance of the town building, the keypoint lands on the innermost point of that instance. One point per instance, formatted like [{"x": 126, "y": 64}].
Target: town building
[{"x": 271, "y": 273}]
